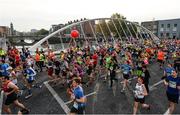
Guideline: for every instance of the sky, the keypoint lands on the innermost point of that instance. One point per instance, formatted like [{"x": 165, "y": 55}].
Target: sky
[{"x": 36, "y": 14}]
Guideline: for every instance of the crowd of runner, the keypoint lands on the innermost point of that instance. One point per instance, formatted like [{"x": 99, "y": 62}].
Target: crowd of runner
[{"x": 79, "y": 66}]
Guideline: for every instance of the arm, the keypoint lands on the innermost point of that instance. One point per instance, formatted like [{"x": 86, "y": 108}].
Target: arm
[
  {"x": 34, "y": 72},
  {"x": 178, "y": 87},
  {"x": 165, "y": 82},
  {"x": 145, "y": 91},
  {"x": 81, "y": 100}
]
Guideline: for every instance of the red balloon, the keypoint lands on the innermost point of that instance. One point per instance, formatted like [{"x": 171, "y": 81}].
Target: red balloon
[{"x": 74, "y": 33}]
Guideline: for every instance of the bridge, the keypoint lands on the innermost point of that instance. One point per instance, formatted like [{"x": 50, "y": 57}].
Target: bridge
[
  {"x": 103, "y": 30},
  {"x": 31, "y": 40}
]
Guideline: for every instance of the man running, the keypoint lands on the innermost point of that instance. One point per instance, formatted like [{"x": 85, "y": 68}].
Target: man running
[
  {"x": 78, "y": 98},
  {"x": 173, "y": 87}
]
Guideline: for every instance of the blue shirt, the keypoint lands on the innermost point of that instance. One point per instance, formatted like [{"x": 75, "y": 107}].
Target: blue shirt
[
  {"x": 173, "y": 83},
  {"x": 168, "y": 70},
  {"x": 30, "y": 74},
  {"x": 79, "y": 93},
  {"x": 126, "y": 68},
  {"x": 4, "y": 71}
]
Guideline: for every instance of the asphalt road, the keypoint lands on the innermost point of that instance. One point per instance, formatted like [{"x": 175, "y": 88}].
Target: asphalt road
[{"x": 101, "y": 98}]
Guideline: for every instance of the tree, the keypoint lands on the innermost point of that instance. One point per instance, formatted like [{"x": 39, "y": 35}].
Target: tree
[
  {"x": 42, "y": 32},
  {"x": 118, "y": 25}
]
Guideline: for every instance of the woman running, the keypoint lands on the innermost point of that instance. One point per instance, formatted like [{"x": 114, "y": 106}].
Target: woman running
[{"x": 139, "y": 97}]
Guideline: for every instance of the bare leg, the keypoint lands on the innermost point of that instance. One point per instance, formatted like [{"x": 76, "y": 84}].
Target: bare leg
[
  {"x": 171, "y": 108},
  {"x": 20, "y": 105},
  {"x": 135, "y": 108}
]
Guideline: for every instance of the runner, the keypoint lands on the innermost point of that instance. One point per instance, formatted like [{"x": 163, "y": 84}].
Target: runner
[
  {"x": 126, "y": 69},
  {"x": 160, "y": 58},
  {"x": 11, "y": 91},
  {"x": 139, "y": 95},
  {"x": 173, "y": 87},
  {"x": 4, "y": 68},
  {"x": 146, "y": 78},
  {"x": 78, "y": 98},
  {"x": 30, "y": 77},
  {"x": 2, "y": 54},
  {"x": 112, "y": 72}
]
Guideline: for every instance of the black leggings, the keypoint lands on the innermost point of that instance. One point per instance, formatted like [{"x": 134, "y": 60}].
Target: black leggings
[
  {"x": 41, "y": 64},
  {"x": 112, "y": 77}
]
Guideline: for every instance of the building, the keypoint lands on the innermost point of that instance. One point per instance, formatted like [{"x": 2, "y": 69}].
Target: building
[
  {"x": 164, "y": 28},
  {"x": 169, "y": 28},
  {"x": 33, "y": 31},
  {"x": 55, "y": 27},
  {"x": 152, "y": 26},
  {"x": 4, "y": 31},
  {"x": 11, "y": 29}
]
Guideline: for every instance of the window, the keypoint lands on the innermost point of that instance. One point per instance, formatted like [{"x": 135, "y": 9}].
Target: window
[
  {"x": 161, "y": 29},
  {"x": 167, "y": 34},
  {"x": 161, "y": 34},
  {"x": 175, "y": 25},
  {"x": 162, "y": 25},
  {"x": 168, "y": 26},
  {"x": 154, "y": 26}
]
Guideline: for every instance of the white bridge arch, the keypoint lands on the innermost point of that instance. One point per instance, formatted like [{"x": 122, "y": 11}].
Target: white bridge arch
[{"x": 140, "y": 28}]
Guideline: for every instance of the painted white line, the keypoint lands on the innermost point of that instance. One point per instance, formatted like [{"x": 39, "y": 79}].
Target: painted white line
[
  {"x": 58, "y": 99},
  {"x": 167, "y": 112},
  {"x": 154, "y": 85},
  {"x": 85, "y": 96},
  {"x": 1, "y": 101},
  {"x": 130, "y": 79}
]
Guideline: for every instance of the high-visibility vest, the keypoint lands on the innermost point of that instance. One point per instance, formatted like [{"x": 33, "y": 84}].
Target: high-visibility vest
[
  {"x": 0, "y": 52},
  {"x": 42, "y": 57}
]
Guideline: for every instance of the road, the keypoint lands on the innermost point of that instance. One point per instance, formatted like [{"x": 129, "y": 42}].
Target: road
[{"x": 101, "y": 99}]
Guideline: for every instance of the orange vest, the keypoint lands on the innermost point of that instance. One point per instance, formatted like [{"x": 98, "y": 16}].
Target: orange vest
[
  {"x": 37, "y": 57},
  {"x": 160, "y": 55}
]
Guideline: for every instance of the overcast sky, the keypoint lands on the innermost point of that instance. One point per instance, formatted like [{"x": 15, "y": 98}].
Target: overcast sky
[{"x": 36, "y": 14}]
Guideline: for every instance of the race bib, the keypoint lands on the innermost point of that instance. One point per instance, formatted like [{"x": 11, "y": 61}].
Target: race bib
[
  {"x": 125, "y": 72},
  {"x": 75, "y": 105},
  {"x": 172, "y": 84}
]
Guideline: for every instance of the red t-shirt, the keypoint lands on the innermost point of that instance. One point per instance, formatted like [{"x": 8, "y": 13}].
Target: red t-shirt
[{"x": 95, "y": 58}]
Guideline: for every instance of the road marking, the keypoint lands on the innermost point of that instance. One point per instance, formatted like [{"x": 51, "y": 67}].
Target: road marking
[
  {"x": 167, "y": 112},
  {"x": 85, "y": 96},
  {"x": 58, "y": 99},
  {"x": 1, "y": 101},
  {"x": 154, "y": 85},
  {"x": 130, "y": 79},
  {"x": 54, "y": 80}
]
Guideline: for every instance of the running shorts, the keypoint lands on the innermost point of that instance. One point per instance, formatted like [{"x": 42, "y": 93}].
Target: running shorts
[
  {"x": 172, "y": 97},
  {"x": 140, "y": 100},
  {"x": 11, "y": 98},
  {"x": 126, "y": 76}
]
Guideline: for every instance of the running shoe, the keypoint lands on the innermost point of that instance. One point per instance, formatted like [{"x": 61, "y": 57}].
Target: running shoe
[{"x": 28, "y": 96}]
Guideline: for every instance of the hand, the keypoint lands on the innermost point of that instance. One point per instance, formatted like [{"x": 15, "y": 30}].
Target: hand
[
  {"x": 7, "y": 93},
  {"x": 72, "y": 97}
]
